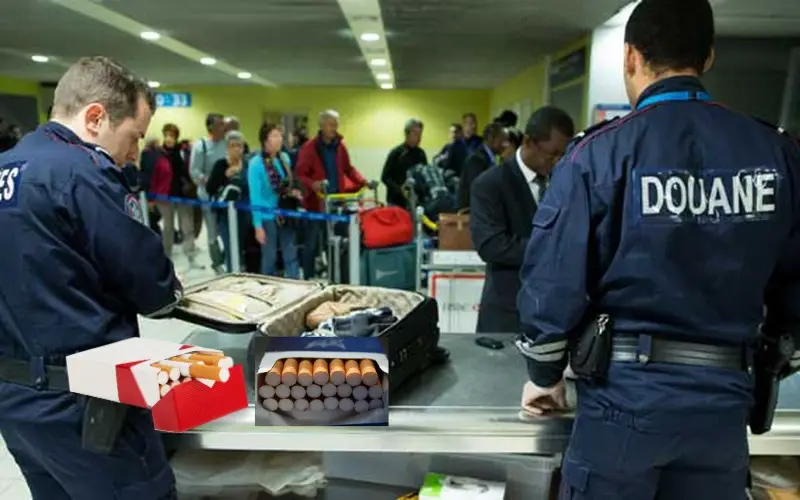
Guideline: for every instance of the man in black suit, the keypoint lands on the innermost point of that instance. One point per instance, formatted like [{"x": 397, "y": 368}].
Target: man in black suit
[
  {"x": 481, "y": 159},
  {"x": 503, "y": 201}
]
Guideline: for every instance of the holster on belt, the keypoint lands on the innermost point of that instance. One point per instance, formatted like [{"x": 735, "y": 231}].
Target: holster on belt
[
  {"x": 590, "y": 352},
  {"x": 771, "y": 357},
  {"x": 102, "y": 424}
]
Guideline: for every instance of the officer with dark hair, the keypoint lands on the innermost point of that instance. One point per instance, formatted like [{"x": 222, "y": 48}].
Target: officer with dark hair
[{"x": 661, "y": 238}]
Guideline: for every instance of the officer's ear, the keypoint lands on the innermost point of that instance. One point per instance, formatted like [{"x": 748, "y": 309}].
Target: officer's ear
[
  {"x": 710, "y": 61},
  {"x": 94, "y": 116},
  {"x": 629, "y": 60}
]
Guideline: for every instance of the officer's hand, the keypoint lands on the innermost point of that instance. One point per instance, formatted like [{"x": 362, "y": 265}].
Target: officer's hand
[
  {"x": 537, "y": 400},
  {"x": 569, "y": 374},
  {"x": 261, "y": 236}
]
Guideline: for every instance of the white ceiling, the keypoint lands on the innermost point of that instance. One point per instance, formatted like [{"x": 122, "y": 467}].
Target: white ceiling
[{"x": 433, "y": 43}]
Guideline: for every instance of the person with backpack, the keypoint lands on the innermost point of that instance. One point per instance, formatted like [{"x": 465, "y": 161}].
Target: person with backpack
[{"x": 227, "y": 182}]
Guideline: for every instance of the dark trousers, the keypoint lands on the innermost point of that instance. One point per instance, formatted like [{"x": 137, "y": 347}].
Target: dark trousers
[
  {"x": 313, "y": 232},
  {"x": 56, "y": 467}
]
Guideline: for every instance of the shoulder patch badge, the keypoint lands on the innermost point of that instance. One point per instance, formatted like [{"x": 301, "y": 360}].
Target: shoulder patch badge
[{"x": 133, "y": 208}]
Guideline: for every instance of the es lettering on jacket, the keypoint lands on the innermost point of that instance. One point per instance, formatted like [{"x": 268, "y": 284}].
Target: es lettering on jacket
[{"x": 9, "y": 178}]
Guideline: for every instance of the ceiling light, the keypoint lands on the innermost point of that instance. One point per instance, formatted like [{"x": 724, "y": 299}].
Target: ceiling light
[
  {"x": 244, "y": 75},
  {"x": 383, "y": 76},
  {"x": 40, "y": 59},
  {"x": 153, "y": 84},
  {"x": 370, "y": 37},
  {"x": 149, "y": 35},
  {"x": 208, "y": 61},
  {"x": 387, "y": 86},
  {"x": 378, "y": 62}
]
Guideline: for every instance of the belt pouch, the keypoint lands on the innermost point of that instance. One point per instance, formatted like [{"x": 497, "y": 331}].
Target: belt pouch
[
  {"x": 590, "y": 353},
  {"x": 102, "y": 424}
]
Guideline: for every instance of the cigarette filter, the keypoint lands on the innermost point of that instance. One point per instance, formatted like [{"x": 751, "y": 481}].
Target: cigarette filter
[
  {"x": 162, "y": 377},
  {"x": 316, "y": 405},
  {"x": 361, "y": 406},
  {"x": 344, "y": 391},
  {"x": 301, "y": 405},
  {"x": 182, "y": 366},
  {"x": 174, "y": 383},
  {"x": 283, "y": 391},
  {"x": 360, "y": 392},
  {"x": 352, "y": 373},
  {"x": 374, "y": 404},
  {"x": 286, "y": 405},
  {"x": 328, "y": 390},
  {"x": 209, "y": 372},
  {"x": 331, "y": 403},
  {"x": 304, "y": 376},
  {"x": 337, "y": 372},
  {"x": 266, "y": 391},
  {"x": 171, "y": 372},
  {"x": 210, "y": 359},
  {"x": 165, "y": 388},
  {"x": 298, "y": 392},
  {"x": 321, "y": 373},
  {"x": 313, "y": 391},
  {"x": 273, "y": 377},
  {"x": 375, "y": 392},
  {"x": 185, "y": 379},
  {"x": 368, "y": 372},
  {"x": 289, "y": 373},
  {"x": 346, "y": 404},
  {"x": 270, "y": 404}
]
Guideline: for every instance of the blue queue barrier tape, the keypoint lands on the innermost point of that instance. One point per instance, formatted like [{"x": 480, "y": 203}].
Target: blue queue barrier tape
[{"x": 292, "y": 214}]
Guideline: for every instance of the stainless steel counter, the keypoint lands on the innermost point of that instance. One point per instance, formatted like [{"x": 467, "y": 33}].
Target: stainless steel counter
[{"x": 470, "y": 405}]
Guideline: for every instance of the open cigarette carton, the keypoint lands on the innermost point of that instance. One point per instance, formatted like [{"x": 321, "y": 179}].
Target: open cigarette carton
[
  {"x": 369, "y": 354},
  {"x": 443, "y": 487},
  {"x": 179, "y": 396}
]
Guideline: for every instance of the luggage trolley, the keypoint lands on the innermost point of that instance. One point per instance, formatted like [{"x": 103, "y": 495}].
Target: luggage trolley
[{"x": 343, "y": 204}]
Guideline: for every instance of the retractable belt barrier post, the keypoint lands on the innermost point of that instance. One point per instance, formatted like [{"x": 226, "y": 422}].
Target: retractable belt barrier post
[
  {"x": 233, "y": 238},
  {"x": 354, "y": 250},
  {"x": 418, "y": 234}
]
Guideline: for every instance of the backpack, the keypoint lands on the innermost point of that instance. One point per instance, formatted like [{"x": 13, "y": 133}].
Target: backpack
[{"x": 431, "y": 190}]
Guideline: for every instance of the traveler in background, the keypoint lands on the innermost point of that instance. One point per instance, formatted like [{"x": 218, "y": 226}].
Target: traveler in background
[
  {"x": 399, "y": 160},
  {"x": 481, "y": 160},
  {"x": 270, "y": 182},
  {"x": 513, "y": 143},
  {"x": 147, "y": 161},
  {"x": 227, "y": 183},
  {"x": 292, "y": 146},
  {"x": 181, "y": 186},
  {"x": 473, "y": 141},
  {"x": 442, "y": 158},
  {"x": 503, "y": 202},
  {"x": 508, "y": 119},
  {"x": 205, "y": 153},
  {"x": 158, "y": 187},
  {"x": 324, "y": 158},
  {"x": 232, "y": 125}
]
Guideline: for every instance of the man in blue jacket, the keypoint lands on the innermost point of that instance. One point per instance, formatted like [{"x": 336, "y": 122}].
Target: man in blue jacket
[
  {"x": 664, "y": 232},
  {"x": 78, "y": 266}
]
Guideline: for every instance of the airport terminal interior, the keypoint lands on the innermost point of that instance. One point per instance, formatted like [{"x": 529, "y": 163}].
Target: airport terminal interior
[{"x": 381, "y": 72}]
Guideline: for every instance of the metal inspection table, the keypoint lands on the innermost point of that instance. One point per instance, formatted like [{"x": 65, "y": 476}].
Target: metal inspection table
[{"x": 469, "y": 405}]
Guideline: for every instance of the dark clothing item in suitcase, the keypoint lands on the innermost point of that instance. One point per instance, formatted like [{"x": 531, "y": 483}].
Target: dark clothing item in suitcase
[{"x": 393, "y": 267}]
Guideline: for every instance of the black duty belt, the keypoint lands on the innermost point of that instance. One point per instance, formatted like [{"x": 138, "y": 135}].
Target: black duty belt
[
  {"x": 626, "y": 348},
  {"x": 22, "y": 372}
]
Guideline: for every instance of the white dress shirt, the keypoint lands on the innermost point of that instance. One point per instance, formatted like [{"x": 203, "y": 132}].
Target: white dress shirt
[{"x": 531, "y": 178}]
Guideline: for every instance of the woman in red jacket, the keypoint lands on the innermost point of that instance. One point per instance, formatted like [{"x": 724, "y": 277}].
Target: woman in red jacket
[{"x": 160, "y": 185}]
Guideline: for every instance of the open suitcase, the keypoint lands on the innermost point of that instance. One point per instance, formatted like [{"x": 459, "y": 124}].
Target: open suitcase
[{"x": 277, "y": 307}]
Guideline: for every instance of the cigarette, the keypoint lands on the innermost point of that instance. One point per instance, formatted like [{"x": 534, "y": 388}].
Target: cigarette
[
  {"x": 304, "y": 376},
  {"x": 375, "y": 404},
  {"x": 316, "y": 405},
  {"x": 266, "y": 391},
  {"x": 360, "y": 393},
  {"x": 283, "y": 391},
  {"x": 337, "y": 372},
  {"x": 361, "y": 406},
  {"x": 165, "y": 388},
  {"x": 331, "y": 403},
  {"x": 368, "y": 372},
  {"x": 385, "y": 384},
  {"x": 346, "y": 404},
  {"x": 344, "y": 391},
  {"x": 210, "y": 359},
  {"x": 353, "y": 372},
  {"x": 328, "y": 390},
  {"x": 301, "y": 405},
  {"x": 289, "y": 373},
  {"x": 270, "y": 404},
  {"x": 185, "y": 379},
  {"x": 286, "y": 405},
  {"x": 174, "y": 383},
  {"x": 321, "y": 372},
  {"x": 170, "y": 372},
  {"x": 273, "y": 376},
  {"x": 313, "y": 391},
  {"x": 209, "y": 372},
  {"x": 375, "y": 392},
  {"x": 298, "y": 392},
  {"x": 182, "y": 366}
]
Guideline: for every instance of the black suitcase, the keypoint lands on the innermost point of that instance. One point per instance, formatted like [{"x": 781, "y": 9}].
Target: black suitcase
[{"x": 412, "y": 340}]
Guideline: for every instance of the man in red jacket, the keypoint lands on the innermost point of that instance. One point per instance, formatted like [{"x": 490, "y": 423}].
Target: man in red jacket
[{"x": 324, "y": 158}]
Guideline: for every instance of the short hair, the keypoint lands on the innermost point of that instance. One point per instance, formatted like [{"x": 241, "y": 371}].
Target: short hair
[
  {"x": 229, "y": 119},
  {"x": 514, "y": 137},
  {"x": 103, "y": 81},
  {"x": 493, "y": 130},
  {"x": 412, "y": 123},
  {"x": 171, "y": 128},
  {"x": 265, "y": 129},
  {"x": 672, "y": 34},
  {"x": 542, "y": 122},
  {"x": 211, "y": 118},
  {"x": 328, "y": 113},
  {"x": 469, "y": 115},
  {"x": 508, "y": 118},
  {"x": 234, "y": 135},
  {"x": 457, "y": 126}
]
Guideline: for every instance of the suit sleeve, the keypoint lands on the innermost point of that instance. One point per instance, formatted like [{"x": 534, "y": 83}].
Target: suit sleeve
[
  {"x": 491, "y": 236},
  {"x": 553, "y": 295},
  {"x": 128, "y": 254}
]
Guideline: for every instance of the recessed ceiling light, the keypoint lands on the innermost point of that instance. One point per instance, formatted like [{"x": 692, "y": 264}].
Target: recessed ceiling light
[
  {"x": 370, "y": 37},
  {"x": 149, "y": 35},
  {"x": 208, "y": 61},
  {"x": 383, "y": 76},
  {"x": 40, "y": 59},
  {"x": 387, "y": 86},
  {"x": 244, "y": 75},
  {"x": 153, "y": 84},
  {"x": 378, "y": 62}
]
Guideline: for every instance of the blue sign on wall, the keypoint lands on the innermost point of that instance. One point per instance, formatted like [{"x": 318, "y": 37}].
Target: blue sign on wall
[{"x": 173, "y": 100}]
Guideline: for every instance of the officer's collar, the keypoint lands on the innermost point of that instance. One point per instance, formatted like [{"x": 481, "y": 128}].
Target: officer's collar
[
  {"x": 672, "y": 84},
  {"x": 65, "y": 134}
]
